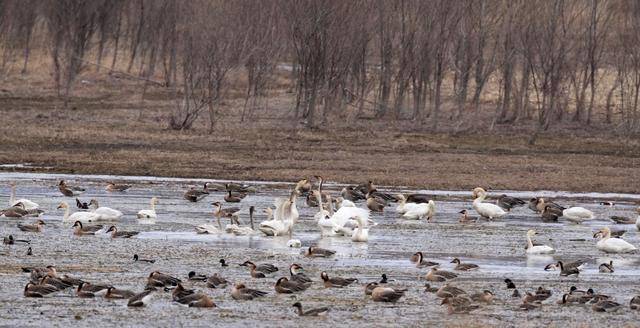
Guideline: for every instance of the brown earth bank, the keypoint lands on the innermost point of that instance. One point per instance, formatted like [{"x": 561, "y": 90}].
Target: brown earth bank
[{"x": 115, "y": 131}]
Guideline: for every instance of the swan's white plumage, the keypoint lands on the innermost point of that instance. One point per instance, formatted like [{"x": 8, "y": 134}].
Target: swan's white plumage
[
  {"x": 613, "y": 245},
  {"x": 577, "y": 214},
  {"x": 106, "y": 213},
  {"x": 415, "y": 211},
  {"x": 28, "y": 205},
  {"x": 361, "y": 233},
  {"x": 487, "y": 210},
  {"x": 540, "y": 249},
  {"x": 149, "y": 214},
  {"x": 207, "y": 228},
  {"x": 284, "y": 217},
  {"x": 83, "y": 217}
]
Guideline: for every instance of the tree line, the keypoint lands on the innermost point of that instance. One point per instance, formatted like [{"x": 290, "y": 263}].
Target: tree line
[{"x": 514, "y": 61}]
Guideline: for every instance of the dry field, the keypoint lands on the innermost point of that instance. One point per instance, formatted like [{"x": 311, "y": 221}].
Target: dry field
[{"x": 111, "y": 129}]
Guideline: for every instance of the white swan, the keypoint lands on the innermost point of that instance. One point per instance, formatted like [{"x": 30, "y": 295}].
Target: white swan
[
  {"x": 402, "y": 201},
  {"x": 149, "y": 214},
  {"x": 577, "y": 214},
  {"x": 638, "y": 219},
  {"x": 83, "y": 217},
  {"x": 27, "y": 204},
  {"x": 207, "y": 228},
  {"x": 284, "y": 217},
  {"x": 238, "y": 230},
  {"x": 105, "y": 213},
  {"x": 540, "y": 249},
  {"x": 361, "y": 234},
  {"x": 487, "y": 210},
  {"x": 612, "y": 245},
  {"x": 418, "y": 211},
  {"x": 343, "y": 221}
]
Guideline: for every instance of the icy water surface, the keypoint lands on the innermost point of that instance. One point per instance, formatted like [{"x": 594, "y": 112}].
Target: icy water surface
[{"x": 498, "y": 247}]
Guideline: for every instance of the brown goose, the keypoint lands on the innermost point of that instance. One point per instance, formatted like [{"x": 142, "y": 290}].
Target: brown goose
[
  {"x": 158, "y": 279},
  {"x": 466, "y": 218},
  {"x": 439, "y": 275},
  {"x": 93, "y": 288},
  {"x": 180, "y": 292},
  {"x": 449, "y": 291},
  {"x": 310, "y": 313},
  {"x": 260, "y": 271},
  {"x": 197, "y": 300},
  {"x": 349, "y": 193},
  {"x": 622, "y": 220},
  {"x": 114, "y": 293},
  {"x": 540, "y": 204},
  {"x": 387, "y": 294},
  {"x": 216, "y": 281},
  {"x": 38, "y": 226},
  {"x": 33, "y": 290},
  {"x": 460, "y": 304},
  {"x": 55, "y": 282},
  {"x": 15, "y": 211},
  {"x": 634, "y": 304},
  {"x": 567, "y": 269},
  {"x": 239, "y": 187},
  {"x": 507, "y": 202},
  {"x": 233, "y": 198},
  {"x": 485, "y": 296},
  {"x": 193, "y": 195},
  {"x": 117, "y": 187},
  {"x": 421, "y": 262},
  {"x": 375, "y": 204},
  {"x": 569, "y": 299},
  {"x": 606, "y": 306},
  {"x": 141, "y": 299},
  {"x": 80, "y": 230},
  {"x": 121, "y": 234},
  {"x": 241, "y": 292},
  {"x": 336, "y": 282},
  {"x": 84, "y": 293},
  {"x": 314, "y": 251},
  {"x": 463, "y": 266},
  {"x": 69, "y": 191},
  {"x": 52, "y": 272},
  {"x": 286, "y": 286},
  {"x": 297, "y": 274},
  {"x": 550, "y": 214}
]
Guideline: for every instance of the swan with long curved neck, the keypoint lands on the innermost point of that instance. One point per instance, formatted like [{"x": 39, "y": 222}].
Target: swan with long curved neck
[
  {"x": 83, "y": 217},
  {"x": 612, "y": 245},
  {"x": 323, "y": 217},
  {"x": 284, "y": 217},
  {"x": 361, "y": 233},
  {"x": 105, "y": 213},
  {"x": 539, "y": 249},
  {"x": 487, "y": 210},
  {"x": 149, "y": 214},
  {"x": 27, "y": 204}
]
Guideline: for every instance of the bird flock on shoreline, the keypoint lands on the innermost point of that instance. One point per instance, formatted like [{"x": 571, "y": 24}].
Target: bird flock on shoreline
[{"x": 339, "y": 216}]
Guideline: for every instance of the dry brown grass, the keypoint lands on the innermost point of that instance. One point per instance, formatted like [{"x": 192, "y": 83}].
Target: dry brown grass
[{"x": 101, "y": 133}]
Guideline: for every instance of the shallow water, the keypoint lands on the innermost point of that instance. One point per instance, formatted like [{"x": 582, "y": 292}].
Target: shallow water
[{"x": 498, "y": 247}]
